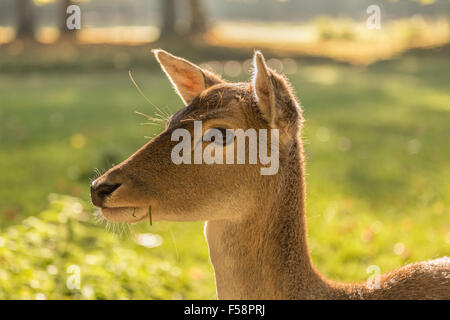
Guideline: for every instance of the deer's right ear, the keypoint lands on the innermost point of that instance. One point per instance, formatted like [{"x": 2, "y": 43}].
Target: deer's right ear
[{"x": 188, "y": 79}]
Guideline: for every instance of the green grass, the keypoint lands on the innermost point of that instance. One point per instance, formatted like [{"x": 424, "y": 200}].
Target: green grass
[{"x": 378, "y": 176}]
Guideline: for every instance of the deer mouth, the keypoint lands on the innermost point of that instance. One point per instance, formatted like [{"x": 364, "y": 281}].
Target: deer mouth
[{"x": 124, "y": 214}]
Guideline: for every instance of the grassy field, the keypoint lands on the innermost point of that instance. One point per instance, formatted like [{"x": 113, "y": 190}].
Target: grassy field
[{"x": 378, "y": 177}]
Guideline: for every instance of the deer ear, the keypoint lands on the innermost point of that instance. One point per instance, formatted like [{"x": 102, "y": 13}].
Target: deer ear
[
  {"x": 274, "y": 96},
  {"x": 263, "y": 88},
  {"x": 188, "y": 79}
]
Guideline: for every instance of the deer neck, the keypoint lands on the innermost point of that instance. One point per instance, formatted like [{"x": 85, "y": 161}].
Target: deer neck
[{"x": 266, "y": 255}]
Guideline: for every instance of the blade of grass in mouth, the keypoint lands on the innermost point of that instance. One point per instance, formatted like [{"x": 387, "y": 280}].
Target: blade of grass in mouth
[{"x": 150, "y": 214}]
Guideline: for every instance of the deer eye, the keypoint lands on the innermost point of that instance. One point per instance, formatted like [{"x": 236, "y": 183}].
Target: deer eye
[{"x": 227, "y": 136}]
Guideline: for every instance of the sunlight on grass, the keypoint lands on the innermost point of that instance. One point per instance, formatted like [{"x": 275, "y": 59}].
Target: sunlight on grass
[
  {"x": 92, "y": 35},
  {"x": 119, "y": 34},
  {"x": 340, "y": 38},
  {"x": 7, "y": 34},
  {"x": 40, "y": 254}
]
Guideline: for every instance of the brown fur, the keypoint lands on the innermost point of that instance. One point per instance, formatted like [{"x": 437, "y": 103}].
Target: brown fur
[{"x": 256, "y": 226}]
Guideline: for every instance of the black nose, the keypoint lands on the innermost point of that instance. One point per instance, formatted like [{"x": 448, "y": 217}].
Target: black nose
[{"x": 101, "y": 191}]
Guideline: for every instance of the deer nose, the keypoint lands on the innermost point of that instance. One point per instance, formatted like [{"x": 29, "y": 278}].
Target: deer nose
[{"x": 100, "y": 191}]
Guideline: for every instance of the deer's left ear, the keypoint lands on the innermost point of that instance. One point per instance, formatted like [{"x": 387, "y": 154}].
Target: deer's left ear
[
  {"x": 263, "y": 87},
  {"x": 188, "y": 79},
  {"x": 274, "y": 96}
]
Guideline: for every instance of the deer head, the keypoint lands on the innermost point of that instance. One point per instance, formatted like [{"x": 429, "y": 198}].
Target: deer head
[
  {"x": 256, "y": 224},
  {"x": 193, "y": 192}
]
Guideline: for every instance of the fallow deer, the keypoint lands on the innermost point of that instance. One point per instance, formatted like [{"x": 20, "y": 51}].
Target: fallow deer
[{"x": 255, "y": 224}]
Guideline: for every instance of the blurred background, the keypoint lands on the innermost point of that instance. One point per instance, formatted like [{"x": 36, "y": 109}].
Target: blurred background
[{"x": 377, "y": 134}]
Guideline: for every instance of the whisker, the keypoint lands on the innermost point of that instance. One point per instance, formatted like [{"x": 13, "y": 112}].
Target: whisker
[
  {"x": 150, "y": 117},
  {"x": 97, "y": 173},
  {"x": 149, "y": 123},
  {"x": 142, "y": 93},
  {"x": 98, "y": 217}
]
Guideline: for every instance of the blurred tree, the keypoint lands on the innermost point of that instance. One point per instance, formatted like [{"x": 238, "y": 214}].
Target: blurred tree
[
  {"x": 168, "y": 16},
  {"x": 65, "y": 33},
  {"x": 198, "y": 23},
  {"x": 25, "y": 19}
]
